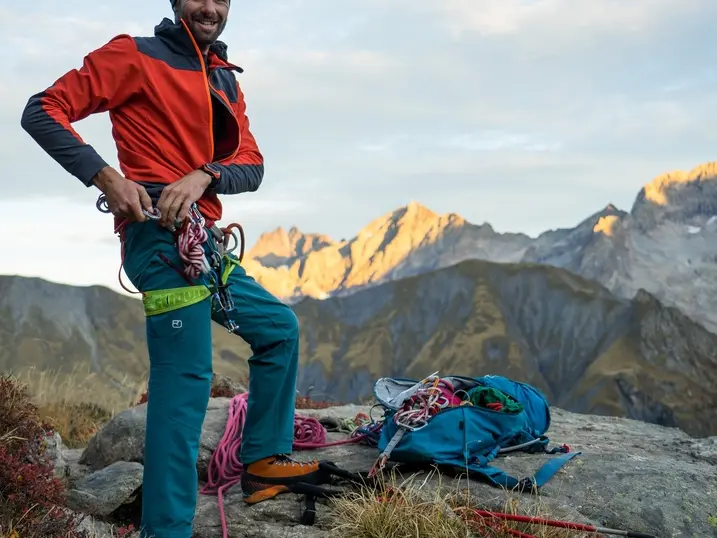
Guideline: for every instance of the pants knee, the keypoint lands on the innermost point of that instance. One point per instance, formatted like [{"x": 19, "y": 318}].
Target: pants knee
[{"x": 288, "y": 322}]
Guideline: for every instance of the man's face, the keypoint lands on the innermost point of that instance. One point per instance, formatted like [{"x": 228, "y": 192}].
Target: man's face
[{"x": 206, "y": 18}]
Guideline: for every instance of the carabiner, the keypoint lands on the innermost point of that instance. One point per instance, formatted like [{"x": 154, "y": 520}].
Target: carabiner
[{"x": 156, "y": 215}]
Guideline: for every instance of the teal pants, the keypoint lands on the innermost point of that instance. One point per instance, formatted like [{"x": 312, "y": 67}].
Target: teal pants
[{"x": 180, "y": 356}]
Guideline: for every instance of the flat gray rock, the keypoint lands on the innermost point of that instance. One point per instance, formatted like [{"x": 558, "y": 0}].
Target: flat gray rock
[
  {"x": 120, "y": 439},
  {"x": 102, "y": 492}
]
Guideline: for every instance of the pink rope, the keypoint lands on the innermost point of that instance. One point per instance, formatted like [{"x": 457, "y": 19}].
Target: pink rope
[
  {"x": 224, "y": 466},
  {"x": 190, "y": 243}
]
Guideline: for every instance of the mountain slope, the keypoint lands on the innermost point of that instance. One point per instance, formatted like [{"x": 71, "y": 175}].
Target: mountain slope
[
  {"x": 665, "y": 245},
  {"x": 280, "y": 247},
  {"x": 59, "y": 328},
  {"x": 588, "y": 350}
]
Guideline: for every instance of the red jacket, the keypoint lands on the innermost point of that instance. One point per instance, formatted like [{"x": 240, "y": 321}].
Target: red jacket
[{"x": 172, "y": 112}]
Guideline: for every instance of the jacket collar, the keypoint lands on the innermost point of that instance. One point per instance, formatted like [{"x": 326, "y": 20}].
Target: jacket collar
[{"x": 178, "y": 37}]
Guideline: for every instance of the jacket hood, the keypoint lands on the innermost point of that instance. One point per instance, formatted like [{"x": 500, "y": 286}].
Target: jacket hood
[{"x": 180, "y": 38}]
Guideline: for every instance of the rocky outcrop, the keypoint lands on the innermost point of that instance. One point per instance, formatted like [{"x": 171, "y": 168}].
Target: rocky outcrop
[
  {"x": 631, "y": 475},
  {"x": 104, "y": 491}
]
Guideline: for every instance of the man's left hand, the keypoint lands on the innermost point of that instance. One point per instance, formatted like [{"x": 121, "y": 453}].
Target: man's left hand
[{"x": 177, "y": 197}]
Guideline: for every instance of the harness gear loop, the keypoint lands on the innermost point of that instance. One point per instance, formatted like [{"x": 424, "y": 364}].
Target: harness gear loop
[{"x": 228, "y": 233}]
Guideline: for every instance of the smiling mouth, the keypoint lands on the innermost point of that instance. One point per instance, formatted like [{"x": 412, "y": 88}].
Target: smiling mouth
[{"x": 207, "y": 25}]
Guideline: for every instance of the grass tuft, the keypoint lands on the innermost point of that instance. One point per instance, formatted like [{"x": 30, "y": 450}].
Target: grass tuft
[{"x": 415, "y": 508}]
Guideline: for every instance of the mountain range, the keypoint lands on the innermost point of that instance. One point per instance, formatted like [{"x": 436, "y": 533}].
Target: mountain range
[
  {"x": 615, "y": 316},
  {"x": 666, "y": 244}
]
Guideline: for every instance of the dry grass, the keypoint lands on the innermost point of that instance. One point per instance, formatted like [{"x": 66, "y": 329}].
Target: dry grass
[
  {"x": 413, "y": 509},
  {"x": 78, "y": 402},
  {"x": 395, "y": 510},
  {"x": 81, "y": 386}
]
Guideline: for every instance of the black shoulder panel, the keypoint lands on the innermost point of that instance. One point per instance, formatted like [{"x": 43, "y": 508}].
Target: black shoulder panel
[
  {"x": 224, "y": 79},
  {"x": 159, "y": 50}
]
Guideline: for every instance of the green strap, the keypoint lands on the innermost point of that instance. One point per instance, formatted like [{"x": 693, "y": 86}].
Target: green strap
[
  {"x": 229, "y": 267},
  {"x": 162, "y": 301}
]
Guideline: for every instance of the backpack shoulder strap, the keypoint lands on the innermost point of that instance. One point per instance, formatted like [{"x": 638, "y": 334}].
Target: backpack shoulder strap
[{"x": 500, "y": 478}]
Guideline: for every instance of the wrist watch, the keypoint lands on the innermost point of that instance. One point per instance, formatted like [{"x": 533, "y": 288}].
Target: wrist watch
[{"x": 213, "y": 171}]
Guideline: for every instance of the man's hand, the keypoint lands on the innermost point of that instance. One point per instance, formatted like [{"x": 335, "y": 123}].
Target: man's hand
[
  {"x": 125, "y": 198},
  {"x": 177, "y": 197}
]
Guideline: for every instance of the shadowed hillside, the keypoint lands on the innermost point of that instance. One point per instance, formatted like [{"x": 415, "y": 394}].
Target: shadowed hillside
[{"x": 588, "y": 350}]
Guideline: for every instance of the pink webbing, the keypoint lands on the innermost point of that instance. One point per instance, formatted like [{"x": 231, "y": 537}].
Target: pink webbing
[{"x": 224, "y": 466}]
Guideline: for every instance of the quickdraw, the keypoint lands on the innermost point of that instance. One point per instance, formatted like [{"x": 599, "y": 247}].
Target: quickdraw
[{"x": 414, "y": 414}]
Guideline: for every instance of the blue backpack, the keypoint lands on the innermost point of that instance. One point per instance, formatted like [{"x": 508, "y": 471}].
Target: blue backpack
[{"x": 470, "y": 437}]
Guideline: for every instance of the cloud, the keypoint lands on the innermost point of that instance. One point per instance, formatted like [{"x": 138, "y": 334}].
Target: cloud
[
  {"x": 525, "y": 114},
  {"x": 558, "y": 18}
]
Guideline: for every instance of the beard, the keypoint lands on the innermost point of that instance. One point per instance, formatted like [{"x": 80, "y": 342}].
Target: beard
[{"x": 205, "y": 33}]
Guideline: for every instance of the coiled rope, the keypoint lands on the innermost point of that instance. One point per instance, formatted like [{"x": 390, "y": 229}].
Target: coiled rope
[
  {"x": 225, "y": 468},
  {"x": 189, "y": 244},
  {"x": 421, "y": 406}
]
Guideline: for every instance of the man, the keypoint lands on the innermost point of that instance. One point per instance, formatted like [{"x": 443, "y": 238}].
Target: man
[{"x": 182, "y": 136}]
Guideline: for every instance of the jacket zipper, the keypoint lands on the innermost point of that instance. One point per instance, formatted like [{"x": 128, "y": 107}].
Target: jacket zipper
[{"x": 211, "y": 91}]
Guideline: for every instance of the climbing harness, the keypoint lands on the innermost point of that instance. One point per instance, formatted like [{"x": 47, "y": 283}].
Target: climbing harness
[
  {"x": 104, "y": 207},
  {"x": 211, "y": 270},
  {"x": 224, "y": 470}
]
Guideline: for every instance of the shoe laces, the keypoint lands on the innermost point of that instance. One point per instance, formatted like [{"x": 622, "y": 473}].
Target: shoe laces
[{"x": 287, "y": 461}]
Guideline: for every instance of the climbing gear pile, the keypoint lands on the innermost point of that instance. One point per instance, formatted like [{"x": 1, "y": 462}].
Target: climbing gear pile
[{"x": 464, "y": 423}]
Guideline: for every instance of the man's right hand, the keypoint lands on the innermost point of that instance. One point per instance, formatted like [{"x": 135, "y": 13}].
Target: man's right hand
[{"x": 125, "y": 198}]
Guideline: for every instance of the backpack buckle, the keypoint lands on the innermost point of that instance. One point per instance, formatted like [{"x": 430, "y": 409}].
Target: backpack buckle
[{"x": 527, "y": 484}]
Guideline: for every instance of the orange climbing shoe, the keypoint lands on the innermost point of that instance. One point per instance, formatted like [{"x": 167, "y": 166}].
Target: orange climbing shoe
[{"x": 272, "y": 476}]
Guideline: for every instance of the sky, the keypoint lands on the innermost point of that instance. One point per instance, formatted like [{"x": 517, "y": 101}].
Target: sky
[{"x": 526, "y": 114}]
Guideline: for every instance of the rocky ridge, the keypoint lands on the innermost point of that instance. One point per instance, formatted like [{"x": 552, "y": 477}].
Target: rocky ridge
[
  {"x": 631, "y": 475},
  {"x": 664, "y": 244},
  {"x": 408, "y": 241}
]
